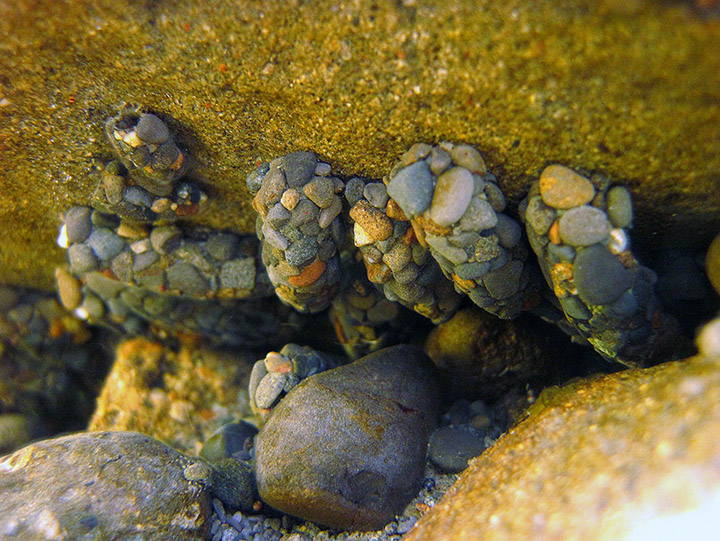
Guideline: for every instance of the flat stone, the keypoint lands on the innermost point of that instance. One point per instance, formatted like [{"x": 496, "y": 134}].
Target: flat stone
[
  {"x": 301, "y": 252},
  {"x": 448, "y": 251},
  {"x": 277, "y": 216},
  {"x": 412, "y": 188},
  {"x": 105, "y": 244},
  {"x": 145, "y": 260},
  {"x": 563, "y": 188},
  {"x": 346, "y": 447},
  {"x": 479, "y": 215},
  {"x": 222, "y": 246},
  {"x": 152, "y": 130},
  {"x": 599, "y": 277},
  {"x": 123, "y": 485},
  {"x": 583, "y": 226},
  {"x": 138, "y": 197},
  {"x": 376, "y": 194},
  {"x": 620, "y": 209},
  {"x": 508, "y": 231},
  {"x": 78, "y": 225},
  {"x": 453, "y": 191}
]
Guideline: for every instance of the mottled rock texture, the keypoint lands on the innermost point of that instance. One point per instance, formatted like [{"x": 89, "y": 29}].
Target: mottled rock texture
[
  {"x": 346, "y": 447},
  {"x": 102, "y": 485},
  {"x": 626, "y": 88},
  {"x": 606, "y": 458}
]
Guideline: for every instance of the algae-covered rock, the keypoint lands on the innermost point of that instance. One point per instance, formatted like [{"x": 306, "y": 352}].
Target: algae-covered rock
[
  {"x": 178, "y": 397},
  {"x": 346, "y": 447},
  {"x": 103, "y": 485},
  {"x": 626, "y": 88},
  {"x": 618, "y": 456}
]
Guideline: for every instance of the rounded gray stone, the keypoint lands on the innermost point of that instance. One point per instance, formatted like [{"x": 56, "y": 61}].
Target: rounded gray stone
[
  {"x": 376, "y": 194},
  {"x": 478, "y": 216},
  {"x": 599, "y": 277},
  {"x": 583, "y": 226},
  {"x": 412, "y": 188},
  {"x": 469, "y": 158},
  {"x": 451, "y": 447},
  {"x": 508, "y": 231},
  {"x": 138, "y": 196},
  {"x": 453, "y": 191},
  {"x": 238, "y": 274},
  {"x": 505, "y": 281},
  {"x": 539, "y": 215},
  {"x": 186, "y": 278},
  {"x": 78, "y": 224},
  {"x": 105, "y": 244},
  {"x": 269, "y": 389},
  {"x": 222, "y": 246},
  {"x": 81, "y": 259},
  {"x": 150, "y": 129}
]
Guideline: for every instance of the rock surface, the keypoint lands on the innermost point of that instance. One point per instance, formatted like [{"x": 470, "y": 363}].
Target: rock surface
[
  {"x": 358, "y": 86},
  {"x": 104, "y": 485},
  {"x": 346, "y": 448},
  {"x": 606, "y": 458},
  {"x": 178, "y": 397}
]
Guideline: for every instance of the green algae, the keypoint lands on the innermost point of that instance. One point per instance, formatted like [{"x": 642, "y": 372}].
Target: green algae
[{"x": 630, "y": 89}]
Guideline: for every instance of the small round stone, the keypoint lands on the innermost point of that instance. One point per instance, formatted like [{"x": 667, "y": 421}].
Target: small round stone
[
  {"x": 451, "y": 447},
  {"x": 620, "y": 210},
  {"x": 320, "y": 191},
  {"x": 478, "y": 216},
  {"x": 583, "y": 226},
  {"x": 505, "y": 281},
  {"x": 78, "y": 224},
  {"x": 508, "y": 231},
  {"x": 708, "y": 340},
  {"x": 373, "y": 221},
  {"x": 469, "y": 158},
  {"x": 301, "y": 252},
  {"x": 82, "y": 259},
  {"x": 376, "y": 194},
  {"x": 234, "y": 484},
  {"x": 539, "y": 215},
  {"x": 439, "y": 160},
  {"x": 412, "y": 188},
  {"x": 150, "y": 129},
  {"x": 222, "y": 246},
  {"x": 138, "y": 197},
  {"x": 453, "y": 192},
  {"x": 354, "y": 190},
  {"x": 186, "y": 278},
  {"x": 228, "y": 441},
  {"x": 105, "y": 244},
  {"x": 68, "y": 289},
  {"x": 563, "y": 188},
  {"x": 599, "y": 277}
]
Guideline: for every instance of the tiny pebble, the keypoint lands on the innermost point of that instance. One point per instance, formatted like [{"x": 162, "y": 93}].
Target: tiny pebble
[
  {"x": 412, "y": 188},
  {"x": 583, "y": 226},
  {"x": 238, "y": 273},
  {"x": 81, "y": 259},
  {"x": 165, "y": 239},
  {"x": 186, "y": 278},
  {"x": 78, "y": 224},
  {"x": 376, "y": 194}
]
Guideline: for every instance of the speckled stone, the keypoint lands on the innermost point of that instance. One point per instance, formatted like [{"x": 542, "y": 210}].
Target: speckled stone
[
  {"x": 234, "y": 484},
  {"x": 68, "y": 289},
  {"x": 152, "y": 130},
  {"x": 539, "y": 215},
  {"x": 619, "y": 206},
  {"x": 563, "y": 188},
  {"x": 138, "y": 196},
  {"x": 453, "y": 191},
  {"x": 599, "y": 276},
  {"x": 320, "y": 191},
  {"x": 223, "y": 246},
  {"x": 412, "y": 188},
  {"x": 298, "y": 167},
  {"x": 238, "y": 273},
  {"x": 301, "y": 252},
  {"x": 469, "y": 158},
  {"x": 479, "y": 215},
  {"x": 583, "y": 226}
]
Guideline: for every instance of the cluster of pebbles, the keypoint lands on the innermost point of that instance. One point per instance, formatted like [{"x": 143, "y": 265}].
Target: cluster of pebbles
[{"x": 578, "y": 230}]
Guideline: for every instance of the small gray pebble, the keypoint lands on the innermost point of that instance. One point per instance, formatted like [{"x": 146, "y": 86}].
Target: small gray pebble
[
  {"x": 299, "y": 167},
  {"x": 320, "y": 190},
  {"x": 222, "y": 246},
  {"x": 376, "y": 194},
  {"x": 560, "y": 253},
  {"x": 539, "y": 215},
  {"x": 301, "y": 251},
  {"x": 505, "y": 281},
  {"x": 574, "y": 308},
  {"x": 599, "y": 277},
  {"x": 277, "y": 216},
  {"x": 122, "y": 264},
  {"x": 238, "y": 273},
  {"x": 186, "y": 278},
  {"x": 354, "y": 190},
  {"x": 269, "y": 389},
  {"x": 165, "y": 239},
  {"x": 444, "y": 248},
  {"x": 583, "y": 226},
  {"x": 469, "y": 158},
  {"x": 508, "y": 231},
  {"x": 451, "y": 447},
  {"x": 138, "y": 196},
  {"x": 105, "y": 244},
  {"x": 150, "y": 129},
  {"x": 81, "y": 259},
  {"x": 439, "y": 160},
  {"x": 478, "y": 216},
  {"x": 472, "y": 271},
  {"x": 145, "y": 260},
  {"x": 412, "y": 188},
  {"x": 78, "y": 225},
  {"x": 495, "y": 196}
]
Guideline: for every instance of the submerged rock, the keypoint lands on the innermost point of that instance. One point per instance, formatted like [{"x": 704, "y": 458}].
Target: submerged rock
[
  {"x": 606, "y": 458},
  {"x": 103, "y": 485},
  {"x": 346, "y": 448}
]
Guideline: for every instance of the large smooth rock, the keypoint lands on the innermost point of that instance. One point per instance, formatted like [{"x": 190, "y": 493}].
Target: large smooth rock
[
  {"x": 632, "y": 455},
  {"x": 627, "y": 88},
  {"x": 346, "y": 448},
  {"x": 103, "y": 485}
]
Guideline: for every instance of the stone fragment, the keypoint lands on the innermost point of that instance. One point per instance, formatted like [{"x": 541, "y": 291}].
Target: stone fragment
[
  {"x": 583, "y": 226},
  {"x": 123, "y": 485},
  {"x": 372, "y": 220},
  {"x": 320, "y": 191},
  {"x": 599, "y": 277},
  {"x": 346, "y": 448},
  {"x": 451, "y": 198},
  {"x": 539, "y": 215},
  {"x": 412, "y": 188},
  {"x": 563, "y": 188}
]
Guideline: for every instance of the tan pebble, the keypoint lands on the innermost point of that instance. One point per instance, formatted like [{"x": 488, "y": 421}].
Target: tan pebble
[
  {"x": 309, "y": 274},
  {"x": 68, "y": 289},
  {"x": 554, "y": 233},
  {"x": 563, "y": 188},
  {"x": 372, "y": 220},
  {"x": 416, "y": 152},
  {"x": 161, "y": 205},
  {"x": 290, "y": 198},
  {"x": 469, "y": 158},
  {"x": 132, "y": 231},
  {"x": 360, "y": 236},
  {"x": 393, "y": 210},
  {"x": 378, "y": 274},
  {"x": 277, "y": 362}
]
